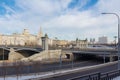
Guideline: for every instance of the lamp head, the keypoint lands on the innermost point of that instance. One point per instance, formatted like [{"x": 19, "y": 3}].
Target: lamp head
[{"x": 103, "y": 13}]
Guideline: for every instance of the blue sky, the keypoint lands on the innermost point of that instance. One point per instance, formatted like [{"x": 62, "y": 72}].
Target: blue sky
[{"x": 65, "y": 19}]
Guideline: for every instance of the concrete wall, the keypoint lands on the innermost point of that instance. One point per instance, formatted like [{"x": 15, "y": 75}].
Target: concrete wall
[{"x": 45, "y": 55}]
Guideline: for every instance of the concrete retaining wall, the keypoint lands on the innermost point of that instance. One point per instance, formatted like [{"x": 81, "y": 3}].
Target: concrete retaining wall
[{"x": 45, "y": 55}]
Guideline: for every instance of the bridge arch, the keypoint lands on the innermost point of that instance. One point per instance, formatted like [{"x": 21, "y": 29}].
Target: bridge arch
[
  {"x": 27, "y": 52},
  {"x": 4, "y": 53}
]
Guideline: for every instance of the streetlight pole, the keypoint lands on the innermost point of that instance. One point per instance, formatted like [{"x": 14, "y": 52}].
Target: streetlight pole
[
  {"x": 118, "y": 37},
  {"x": 72, "y": 61},
  {"x": 3, "y": 54},
  {"x": 60, "y": 60},
  {"x": 115, "y": 42}
]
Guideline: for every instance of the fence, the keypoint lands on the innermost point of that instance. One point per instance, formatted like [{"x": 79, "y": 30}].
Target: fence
[
  {"x": 18, "y": 68},
  {"x": 98, "y": 76}
]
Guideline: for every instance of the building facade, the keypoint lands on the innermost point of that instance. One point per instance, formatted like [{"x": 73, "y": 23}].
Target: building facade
[
  {"x": 23, "y": 39},
  {"x": 81, "y": 44},
  {"x": 60, "y": 43},
  {"x": 103, "y": 40}
]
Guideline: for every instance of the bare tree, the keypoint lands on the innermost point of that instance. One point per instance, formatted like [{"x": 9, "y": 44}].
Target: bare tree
[{"x": 4, "y": 69}]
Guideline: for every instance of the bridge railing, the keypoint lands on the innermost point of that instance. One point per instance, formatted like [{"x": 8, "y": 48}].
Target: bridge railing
[
  {"x": 98, "y": 76},
  {"x": 19, "y": 68},
  {"x": 93, "y": 76}
]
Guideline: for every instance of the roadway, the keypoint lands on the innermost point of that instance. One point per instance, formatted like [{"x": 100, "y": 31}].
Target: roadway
[{"x": 102, "y": 69}]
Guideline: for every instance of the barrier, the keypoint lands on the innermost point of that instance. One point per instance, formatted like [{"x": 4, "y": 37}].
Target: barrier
[{"x": 98, "y": 76}]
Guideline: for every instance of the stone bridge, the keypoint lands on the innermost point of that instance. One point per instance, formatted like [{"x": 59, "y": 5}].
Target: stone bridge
[
  {"x": 28, "y": 54},
  {"x": 7, "y": 52}
]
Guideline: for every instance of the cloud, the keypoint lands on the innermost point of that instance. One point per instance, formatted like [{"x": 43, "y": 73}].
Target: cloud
[
  {"x": 59, "y": 20},
  {"x": 108, "y": 5},
  {"x": 83, "y": 23},
  {"x": 43, "y": 7}
]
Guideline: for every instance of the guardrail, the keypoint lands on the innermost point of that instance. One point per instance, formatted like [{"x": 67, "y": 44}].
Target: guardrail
[{"x": 98, "y": 76}]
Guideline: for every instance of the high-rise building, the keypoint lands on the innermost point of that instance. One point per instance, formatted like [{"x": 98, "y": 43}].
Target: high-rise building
[{"x": 103, "y": 40}]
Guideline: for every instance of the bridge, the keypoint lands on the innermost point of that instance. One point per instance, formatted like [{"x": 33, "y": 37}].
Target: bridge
[
  {"x": 24, "y": 51},
  {"x": 27, "y": 54},
  {"x": 75, "y": 54},
  {"x": 102, "y": 54}
]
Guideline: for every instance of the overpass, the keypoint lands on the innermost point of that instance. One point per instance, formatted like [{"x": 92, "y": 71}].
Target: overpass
[{"x": 102, "y": 54}]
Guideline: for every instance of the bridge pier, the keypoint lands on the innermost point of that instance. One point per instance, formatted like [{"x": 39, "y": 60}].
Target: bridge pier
[
  {"x": 13, "y": 56},
  {"x": 111, "y": 57},
  {"x": 45, "y": 42},
  {"x": 75, "y": 56}
]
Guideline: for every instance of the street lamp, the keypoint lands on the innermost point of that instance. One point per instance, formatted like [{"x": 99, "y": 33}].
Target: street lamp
[
  {"x": 118, "y": 36},
  {"x": 115, "y": 42},
  {"x": 3, "y": 54},
  {"x": 60, "y": 60}
]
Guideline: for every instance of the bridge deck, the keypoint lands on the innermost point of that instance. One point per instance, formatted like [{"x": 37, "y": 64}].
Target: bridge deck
[{"x": 94, "y": 53}]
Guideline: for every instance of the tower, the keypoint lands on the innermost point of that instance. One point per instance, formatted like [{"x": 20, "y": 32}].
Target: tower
[
  {"x": 39, "y": 36},
  {"x": 26, "y": 32},
  {"x": 45, "y": 42},
  {"x": 77, "y": 42}
]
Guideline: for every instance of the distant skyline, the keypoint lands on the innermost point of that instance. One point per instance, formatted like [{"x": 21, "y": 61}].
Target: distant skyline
[{"x": 65, "y": 19}]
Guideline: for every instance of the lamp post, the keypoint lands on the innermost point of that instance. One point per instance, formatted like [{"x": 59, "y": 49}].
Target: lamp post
[
  {"x": 60, "y": 60},
  {"x": 3, "y": 53},
  {"x": 3, "y": 50},
  {"x": 118, "y": 37},
  {"x": 72, "y": 61},
  {"x": 115, "y": 42}
]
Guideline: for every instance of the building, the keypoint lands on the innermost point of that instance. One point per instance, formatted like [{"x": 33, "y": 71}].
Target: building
[
  {"x": 92, "y": 40},
  {"x": 50, "y": 42},
  {"x": 60, "y": 43},
  {"x": 22, "y": 39},
  {"x": 81, "y": 44},
  {"x": 103, "y": 40}
]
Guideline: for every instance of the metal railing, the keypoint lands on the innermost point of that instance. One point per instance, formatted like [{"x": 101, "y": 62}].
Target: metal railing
[
  {"x": 19, "y": 67},
  {"x": 98, "y": 76}
]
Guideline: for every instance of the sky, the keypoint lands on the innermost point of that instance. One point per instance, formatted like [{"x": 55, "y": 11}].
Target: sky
[{"x": 64, "y": 19}]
